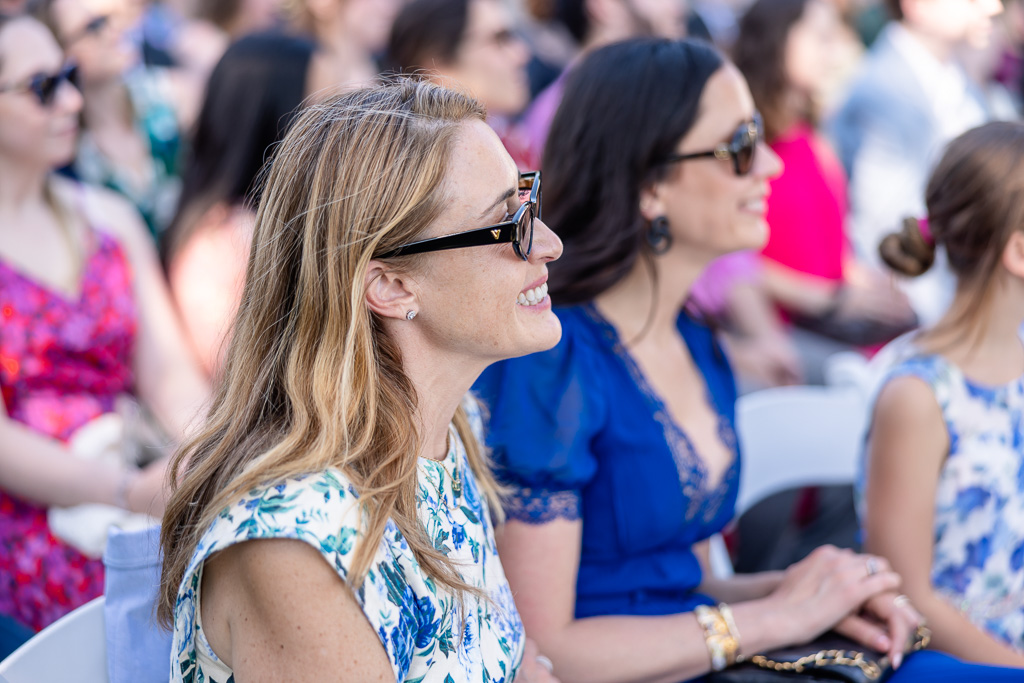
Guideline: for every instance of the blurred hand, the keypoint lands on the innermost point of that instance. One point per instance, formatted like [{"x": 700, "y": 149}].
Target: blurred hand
[
  {"x": 870, "y": 294},
  {"x": 767, "y": 362},
  {"x": 148, "y": 491},
  {"x": 531, "y": 670},
  {"x": 824, "y": 589}
]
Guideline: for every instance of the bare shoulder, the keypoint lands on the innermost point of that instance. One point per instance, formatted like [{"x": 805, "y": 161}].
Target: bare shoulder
[
  {"x": 908, "y": 401},
  {"x": 908, "y": 422},
  {"x": 106, "y": 211},
  {"x": 255, "y": 567},
  {"x": 276, "y": 606}
]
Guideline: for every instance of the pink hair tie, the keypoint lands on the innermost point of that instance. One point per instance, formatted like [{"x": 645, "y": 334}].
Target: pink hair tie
[{"x": 925, "y": 230}]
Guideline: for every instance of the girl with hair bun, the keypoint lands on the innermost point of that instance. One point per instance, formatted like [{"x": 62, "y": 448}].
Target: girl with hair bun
[{"x": 944, "y": 484}]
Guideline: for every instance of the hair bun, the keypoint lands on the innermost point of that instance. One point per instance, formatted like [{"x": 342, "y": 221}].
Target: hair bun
[{"x": 907, "y": 252}]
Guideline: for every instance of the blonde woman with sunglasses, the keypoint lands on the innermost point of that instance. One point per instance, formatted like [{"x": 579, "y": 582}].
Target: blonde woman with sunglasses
[{"x": 333, "y": 518}]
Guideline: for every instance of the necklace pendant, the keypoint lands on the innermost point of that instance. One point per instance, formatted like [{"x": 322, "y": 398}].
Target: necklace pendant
[{"x": 457, "y": 484}]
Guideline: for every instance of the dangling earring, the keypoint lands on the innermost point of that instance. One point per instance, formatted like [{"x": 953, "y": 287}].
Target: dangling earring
[
  {"x": 410, "y": 315},
  {"x": 659, "y": 239}
]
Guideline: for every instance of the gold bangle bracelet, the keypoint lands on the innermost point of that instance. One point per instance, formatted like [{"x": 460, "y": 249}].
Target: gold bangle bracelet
[
  {"x": 726, "y": 613},
  {"x": 722, "y": 646}
]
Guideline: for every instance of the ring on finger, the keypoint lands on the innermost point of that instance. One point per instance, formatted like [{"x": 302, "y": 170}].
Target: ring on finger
[
  {"x": 872, "y": 566},
  {"x": 546, "y": 663}
]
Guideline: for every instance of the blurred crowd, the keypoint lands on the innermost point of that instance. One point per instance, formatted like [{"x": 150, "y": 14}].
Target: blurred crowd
[
  {"x": 127, "y": 264},
  {"x": 857, "y": 108}
]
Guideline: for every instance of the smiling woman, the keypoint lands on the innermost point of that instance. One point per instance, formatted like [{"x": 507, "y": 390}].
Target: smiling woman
[
  {"x": 130, "y": 140},
  {"x": 84, "y": 320},
  {"x": 333, "y": 517}
]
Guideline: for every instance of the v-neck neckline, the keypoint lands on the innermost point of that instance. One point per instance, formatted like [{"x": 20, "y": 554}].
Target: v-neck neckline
[
  {"x": 92, "y": 246},
  {"x": 667, "y": 421}
]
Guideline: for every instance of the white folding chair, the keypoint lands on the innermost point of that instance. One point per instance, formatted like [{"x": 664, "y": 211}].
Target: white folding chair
[
  {"x": 73, "y": 648},
  {"x": 848, "y": 369},
  {"x": 793, "y": 437}
]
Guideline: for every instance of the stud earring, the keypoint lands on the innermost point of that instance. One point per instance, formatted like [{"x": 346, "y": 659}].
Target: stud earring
[
  {"x": 410, "y": 315},
  {"x": 659, "y": 239}
]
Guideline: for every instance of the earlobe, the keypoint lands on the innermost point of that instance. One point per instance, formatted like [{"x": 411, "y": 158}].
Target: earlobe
[
  {"x": 651, "y": 206},
  {"x": 389, "y": 294},
  {"x": 1013, "y": 254}
]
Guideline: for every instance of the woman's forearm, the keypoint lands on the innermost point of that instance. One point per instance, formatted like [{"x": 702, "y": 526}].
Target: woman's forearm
[
  {"x": 736, "y": 588},
  {"x": 954, "y": 633},
  {"x": 658, "y": 649},
  {"x": 42, "y": 470},
  {"x": 741, "y": 587},
  {"x": 797, "y": 291}
]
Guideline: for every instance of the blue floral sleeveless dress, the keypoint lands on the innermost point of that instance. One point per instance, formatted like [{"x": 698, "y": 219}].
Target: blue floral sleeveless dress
[
  {"x": 420, "y": 625},
  {"x": 978, "y": 563}
]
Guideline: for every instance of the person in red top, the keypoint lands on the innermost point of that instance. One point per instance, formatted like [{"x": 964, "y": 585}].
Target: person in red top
[
  {"x": 786, "y": 51},
  {"x": 808, "y": 205}
]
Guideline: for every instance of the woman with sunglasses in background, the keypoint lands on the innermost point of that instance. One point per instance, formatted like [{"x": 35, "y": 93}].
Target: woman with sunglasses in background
[
  {"x": 332, "y": 520},
  {"x": 618, "y": 444},
  {"x": 84, "y": 319},
  {"x": 130, "y": 140}
]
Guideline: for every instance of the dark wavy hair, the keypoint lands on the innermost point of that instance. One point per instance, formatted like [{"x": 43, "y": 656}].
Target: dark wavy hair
[
  {"x": 252, "y": 96},
  {"x": 760, "y": 53},
  {"x": 625, "y": 108}
]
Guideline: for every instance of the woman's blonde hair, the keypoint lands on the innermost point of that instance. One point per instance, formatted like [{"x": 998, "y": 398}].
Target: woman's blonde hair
[{"x": 311, "y": 379}]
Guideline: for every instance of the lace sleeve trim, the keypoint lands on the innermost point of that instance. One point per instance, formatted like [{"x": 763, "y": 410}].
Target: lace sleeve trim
[{"x": 539, "y": 506}]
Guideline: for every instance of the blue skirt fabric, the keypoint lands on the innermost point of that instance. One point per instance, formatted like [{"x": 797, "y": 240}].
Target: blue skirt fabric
[{"x": 938, "y": 667}]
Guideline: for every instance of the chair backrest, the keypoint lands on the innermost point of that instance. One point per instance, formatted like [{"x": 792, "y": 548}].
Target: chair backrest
[
  {"x": 792, "y": 437},
  {"x": 73, "y": 648},
  {"x": 848, "y": 369},
  {"x": 798, "y": 436}
]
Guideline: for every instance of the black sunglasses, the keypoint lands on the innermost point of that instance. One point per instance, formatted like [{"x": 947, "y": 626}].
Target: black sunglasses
[
  {"x": 741, "y": 149},
  {"x": 518, "y": 229},
  {"x": 45, "y": 86}
]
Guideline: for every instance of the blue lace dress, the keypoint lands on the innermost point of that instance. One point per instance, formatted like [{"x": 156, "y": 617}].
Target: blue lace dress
[
  {"x": 978, "y": 562},
  {"x": 428, "y": 637},
  {"x": 578, "y": 433}
]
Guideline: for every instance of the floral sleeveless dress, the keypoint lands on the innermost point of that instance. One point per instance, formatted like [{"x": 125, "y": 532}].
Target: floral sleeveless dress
[
  {"x": 419, "y": 624},
  {"x": 978, "y": 562},
  {"x": 63, "y": 361}
]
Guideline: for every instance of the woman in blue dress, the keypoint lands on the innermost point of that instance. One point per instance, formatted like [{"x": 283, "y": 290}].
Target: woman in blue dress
[{"x": 618, "y": 444}]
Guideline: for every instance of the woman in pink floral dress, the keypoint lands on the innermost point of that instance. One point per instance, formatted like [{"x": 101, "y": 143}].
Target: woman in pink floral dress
[{"x": 84, "y": 318}]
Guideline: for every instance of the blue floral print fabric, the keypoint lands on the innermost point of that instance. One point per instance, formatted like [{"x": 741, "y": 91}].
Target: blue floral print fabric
[
  {"x": 978, "y": 562},
  {"x": 426, "y": 634}
]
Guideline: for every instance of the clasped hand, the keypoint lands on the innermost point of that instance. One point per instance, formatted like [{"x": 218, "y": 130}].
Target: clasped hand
[{"x": 856, "y": 595}]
